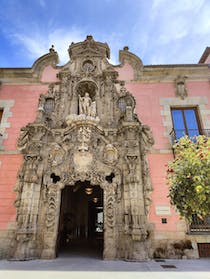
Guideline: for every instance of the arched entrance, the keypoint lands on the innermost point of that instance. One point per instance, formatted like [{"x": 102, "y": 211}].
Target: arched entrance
[{"x": 80, "y": 229}]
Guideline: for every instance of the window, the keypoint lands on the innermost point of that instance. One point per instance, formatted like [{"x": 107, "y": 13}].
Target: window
[{"x": 185, "y": 122}]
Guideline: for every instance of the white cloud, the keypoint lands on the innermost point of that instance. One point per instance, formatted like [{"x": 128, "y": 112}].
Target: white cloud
[
  {"x": 62, "y": 39},
  {"x": 38, "y": 44},
  {"x": 174, "y": 29},
  {"x": 202, "y": 25},
  {"x": 180, "y": 18},
  {"x": 178, "y": 30},
  {"x": 34, "y": 46},
  {"x": 115, "y": 42},
  {"x": 160, "y": 31},
  {"x": 174, "y": 7}
]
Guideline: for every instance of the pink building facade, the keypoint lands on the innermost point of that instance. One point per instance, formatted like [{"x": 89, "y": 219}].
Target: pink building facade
[{"x": 165, "y": 96}]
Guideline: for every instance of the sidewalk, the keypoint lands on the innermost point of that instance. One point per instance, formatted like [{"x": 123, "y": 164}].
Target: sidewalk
[{"x": 86, "y": 267}]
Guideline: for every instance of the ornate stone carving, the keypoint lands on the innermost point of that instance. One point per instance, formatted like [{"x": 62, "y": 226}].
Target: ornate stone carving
[
  {"x": 56, "y": 154},
  {"x": 88, "y": 66},
  {"x": 84, "y": 136},
  {"x": 146, "y": 138},
  {"x": 31, "y": 171},
  {"x": 110, "y": 154},
  {"x": 23, "y": 139},
  {"x": 52, "y": 190},
  {"x": 132, "y": 162},
  {"x": 110, "y": 210},
  {"x": 181, "y": 90},
  {"x": 85, "y": 131},
  {"x": 89, "y": 47}
]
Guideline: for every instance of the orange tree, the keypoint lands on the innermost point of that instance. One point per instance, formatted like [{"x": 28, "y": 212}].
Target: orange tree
[{"x": 189, "y": 177}]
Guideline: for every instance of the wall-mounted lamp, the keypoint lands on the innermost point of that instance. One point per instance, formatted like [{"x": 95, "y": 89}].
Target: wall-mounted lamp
[
  {"x": 88, "y": 190},
  {"x": 95, "y": 200}
]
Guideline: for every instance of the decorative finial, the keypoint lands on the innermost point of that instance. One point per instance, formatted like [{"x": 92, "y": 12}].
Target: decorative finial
[
  {"x": 52, "y": 49},
  {"x": 126, "y": 48},
  {"x": 89, "y": 38}
]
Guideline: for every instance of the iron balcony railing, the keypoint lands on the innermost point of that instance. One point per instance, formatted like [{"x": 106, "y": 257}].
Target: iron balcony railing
[
  {"x": 200, "y": 226},
  {"x": 177, "y": 134}
]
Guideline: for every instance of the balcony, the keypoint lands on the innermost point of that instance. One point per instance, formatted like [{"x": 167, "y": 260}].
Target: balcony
[
  {"x": 177, "y": 134},
  {"x": 199, "y": 226}
]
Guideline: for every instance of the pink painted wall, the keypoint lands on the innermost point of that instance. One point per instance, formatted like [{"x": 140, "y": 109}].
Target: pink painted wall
[
  {"x": 126, "y": 72},
  {"x": 25, "y": 99},
  {"x": 148, "y": 108},
  {"x": 24, "y": 110},
  {"x": 10, "y": 165},
  {"x": 159, "y": 195},
  {"x": 49, "y": 74}
]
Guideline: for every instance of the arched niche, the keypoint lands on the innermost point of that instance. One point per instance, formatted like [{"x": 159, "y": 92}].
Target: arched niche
[
  {"x": 87, "y": 86},
  {"x": 86, "y": 98}
]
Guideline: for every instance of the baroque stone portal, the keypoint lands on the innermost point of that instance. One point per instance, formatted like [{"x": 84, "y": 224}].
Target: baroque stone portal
[{"x": 85, "y": 133}]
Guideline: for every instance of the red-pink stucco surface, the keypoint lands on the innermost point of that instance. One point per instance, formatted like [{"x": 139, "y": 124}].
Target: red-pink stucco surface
[{"x": 148, "y": 109}]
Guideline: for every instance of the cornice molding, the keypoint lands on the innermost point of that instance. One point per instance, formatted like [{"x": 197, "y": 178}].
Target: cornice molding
[
  {"x": 29, "y": 75},
  {"x": 126, "y": 56}
]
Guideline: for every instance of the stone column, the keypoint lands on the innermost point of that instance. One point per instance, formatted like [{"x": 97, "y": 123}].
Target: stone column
[
  {"x": 138, "y": 215},
  {"x": 26, "y": 236},
  {"x": 51, "y": 221},
  {"x": 110, "y": 241}
]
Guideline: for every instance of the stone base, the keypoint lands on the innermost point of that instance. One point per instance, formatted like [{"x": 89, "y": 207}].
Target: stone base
[
  {"x": 176, "y": 245},
  {"x": 48, "y": 254},
  {"x": 6, "y": 243},
  {"x": 174, "y": 249}
]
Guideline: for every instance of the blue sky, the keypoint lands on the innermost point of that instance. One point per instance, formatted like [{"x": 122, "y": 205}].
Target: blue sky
[{"x": 158, "y": 31}]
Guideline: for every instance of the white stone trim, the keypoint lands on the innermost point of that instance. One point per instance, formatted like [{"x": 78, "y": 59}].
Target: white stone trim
[
  {"x": 6, "y": 106},
  {"x": 199, "y": 102}
]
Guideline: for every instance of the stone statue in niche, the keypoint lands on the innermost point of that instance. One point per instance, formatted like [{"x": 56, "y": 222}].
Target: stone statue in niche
[{"x": 87, "y": 106}]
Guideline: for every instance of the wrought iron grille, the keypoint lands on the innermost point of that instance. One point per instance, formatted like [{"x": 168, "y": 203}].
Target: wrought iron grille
[{"x": 199, "y": 225}]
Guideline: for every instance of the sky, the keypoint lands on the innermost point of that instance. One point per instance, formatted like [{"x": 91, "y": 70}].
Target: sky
[{"x": 158, "y": 31}]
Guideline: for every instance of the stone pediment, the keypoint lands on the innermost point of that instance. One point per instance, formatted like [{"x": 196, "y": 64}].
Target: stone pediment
[{"x": 89, "y": 48}]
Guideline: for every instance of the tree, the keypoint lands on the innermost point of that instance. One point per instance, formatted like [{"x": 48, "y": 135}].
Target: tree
[{"x": 189, "y": 177}]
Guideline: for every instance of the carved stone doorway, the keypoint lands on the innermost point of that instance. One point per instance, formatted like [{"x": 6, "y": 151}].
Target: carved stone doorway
[
  {"x": 80, "y": 229},
  {"x": 86, "y": 131}
]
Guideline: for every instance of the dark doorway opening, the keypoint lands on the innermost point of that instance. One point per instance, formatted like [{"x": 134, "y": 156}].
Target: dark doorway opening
[
  {"x": 204, "y": 250},
  {"x": 80, "y": 231}
]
